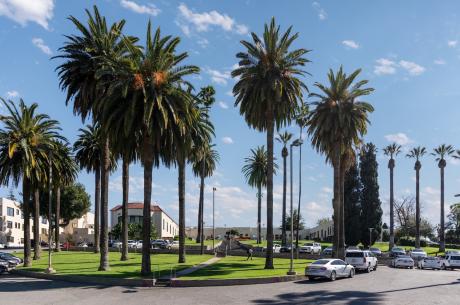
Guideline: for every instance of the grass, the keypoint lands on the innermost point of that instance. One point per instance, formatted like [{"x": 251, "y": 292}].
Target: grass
[
  {"x": 86, "y": 264},
  {"x": 236, "y": 267},
  {"x": 207, "y": 242}
]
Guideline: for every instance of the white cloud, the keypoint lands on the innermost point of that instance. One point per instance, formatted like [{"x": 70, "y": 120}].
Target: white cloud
[
  {"x": 229, "y": 93},
  {"x": 202, "y": 22},
  {"x": 411, "y": 67},
  {"x": 385, "y": 66},
  {"x": 350, "y": 44},
  {"x": 322, "y": 15},
  {"x": 149, "y": 9},
  {"x": 452, "y": 43},
  {"x": 24, "y": 11},
  {"x": 227, "y": 140},
  {"x": 12, "y": 94},
  {"x": 399, "y": 138},
  {"x": 223, "y": 105},
  {"x": 218, "y": 77},
  {"x": 39, "y": 43},
  {"x": 203, "y": 42},
  {"x": 439, "y": 62}
]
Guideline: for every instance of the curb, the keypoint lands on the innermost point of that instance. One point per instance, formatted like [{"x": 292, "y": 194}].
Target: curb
[
  {"x": 234, "y": 282},
  {"x": 103, "y": 281}
]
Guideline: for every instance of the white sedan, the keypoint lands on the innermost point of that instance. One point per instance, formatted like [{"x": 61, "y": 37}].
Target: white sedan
[
  {"x": 403, "y": 261},
  {"x": 429, "y": 262},
  {"x": 330, "y": 268},
  {"x": 418, "y": 254}
]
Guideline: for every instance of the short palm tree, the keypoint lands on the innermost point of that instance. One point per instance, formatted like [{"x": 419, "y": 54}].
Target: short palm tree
[
  {"x": 255, "y": 172},
  {"x": 441, "y": 153},
  {"x": 284, "y": 139},
  {"x": 268, "y": 91},
  {"x": 392, "y": 151},
  {"x": 416, "y": 153},
  {"x": 26, "y": 139},
  {"x": 336, "y": 124}
]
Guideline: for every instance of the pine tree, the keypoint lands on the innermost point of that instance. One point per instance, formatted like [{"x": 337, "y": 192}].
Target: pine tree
[
  {"x": 371, "y": 210},
  {"x": 352, "y": 189}
]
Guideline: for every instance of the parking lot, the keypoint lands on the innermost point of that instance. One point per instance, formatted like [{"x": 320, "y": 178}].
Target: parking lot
[{"x": 385, "y": 286}]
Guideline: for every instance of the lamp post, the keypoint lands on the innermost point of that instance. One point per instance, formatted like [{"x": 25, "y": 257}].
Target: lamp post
[
  {"x": 291, "y": 271},
  {"x": 50, "y": 226},
  {"x": 213, "y": 225},
  {"x": 370, "y": 237}
]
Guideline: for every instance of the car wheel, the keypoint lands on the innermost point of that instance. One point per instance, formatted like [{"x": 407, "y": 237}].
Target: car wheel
[
  {"x": 352, "y": 273},
  {"x": 311, "y": 278},
  {"x": 369, "y": 269},
  {"x": 333, "y": 276},
  {"x": 375, "y": 267},
  {"x": 443, "y": 267}
]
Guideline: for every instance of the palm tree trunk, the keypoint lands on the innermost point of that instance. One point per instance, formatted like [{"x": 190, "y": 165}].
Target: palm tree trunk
[
  {"x": 417, "y": 208},
  {"x": 200, "y": 205},
  {"x": 342, "y": 213},
  {"x": 147, "y": 156},
  {"x": 298, "y": 205},
  {"x": 392, "y": 221},
  {"x": 336, "y": 203},
  {"x": 259, "y": 213},
  {"x": 97, "y": 209},
  {"x": 37, "y": 248},
  {"x": 58, "y": 216},
  {"x": 283, "y": 220},
  {"x": 104, "y": 261},
  {"x": 270, "y": 132},
  {"x": 181, "y": 185},
  {"x": 442, "y": 242},
  {"x": 202, "y": 213},
  {"x": 124, "y": 215},
  {"x": 26, "y": 211}
]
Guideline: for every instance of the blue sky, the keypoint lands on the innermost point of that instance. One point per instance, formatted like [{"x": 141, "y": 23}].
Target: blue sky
[{"x": 409, "y": 51}]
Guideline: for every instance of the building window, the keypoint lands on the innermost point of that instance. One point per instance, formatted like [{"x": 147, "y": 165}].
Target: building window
[
  {"x": 9, "y": 224},
  {"x": 163, "y": 224},
  {"x": 10, "y": 239},
  {"x": 17, "y": 211},
  {"x": 43, "y": 231},
  {"x": 44, "y": 220},
  {"x": 10, "y": 212}
]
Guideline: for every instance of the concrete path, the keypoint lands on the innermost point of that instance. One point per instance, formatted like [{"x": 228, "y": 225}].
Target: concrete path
[{"x": 197, "y": 267}]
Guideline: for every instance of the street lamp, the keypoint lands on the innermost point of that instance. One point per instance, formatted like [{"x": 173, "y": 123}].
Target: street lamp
[
  {"x": 291, "y": 271},
  {"x": 50, "y": 226},
  {"x": 213, "y": 227},
  {"x": 370, "y": 237}
]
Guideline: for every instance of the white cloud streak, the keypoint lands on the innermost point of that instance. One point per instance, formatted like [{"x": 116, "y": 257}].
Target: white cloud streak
[
  {"x": 40, "y": 43},
  {"x": 350, "y": 44},
  {"x": 149, "y": 9},
  {"x": 24, "y": 11}
]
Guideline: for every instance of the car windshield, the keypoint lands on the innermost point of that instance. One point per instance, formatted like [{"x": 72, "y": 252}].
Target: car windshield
[
  {"x": 308, "y": 244},
  {"x": 321, "y": 262},
  {"x": 354, "y": 254}
]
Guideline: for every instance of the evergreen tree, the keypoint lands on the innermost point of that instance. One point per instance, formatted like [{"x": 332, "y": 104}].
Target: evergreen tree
[
  {"x": 371, "y": 210},
  {"x": 352, "y": 189}
]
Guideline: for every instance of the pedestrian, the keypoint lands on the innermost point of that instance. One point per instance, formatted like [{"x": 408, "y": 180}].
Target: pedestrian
[{"x": 249, "y": 253}]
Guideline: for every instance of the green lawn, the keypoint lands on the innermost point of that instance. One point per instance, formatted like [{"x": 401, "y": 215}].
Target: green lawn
[
  {"x": 235, "y": 267},
  {"x": 86, "y": 264}
]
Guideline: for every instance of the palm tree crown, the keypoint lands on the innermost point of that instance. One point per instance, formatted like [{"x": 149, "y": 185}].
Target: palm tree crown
[
  {"x": 255, "y": 168},
  {"x": 284, "y": 139},
  {"x": 416, "y": 153},
  {"x": 441, "y": 152}
]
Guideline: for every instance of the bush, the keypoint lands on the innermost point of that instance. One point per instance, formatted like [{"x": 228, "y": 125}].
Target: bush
[
  {"x": 386, "y": 236},
  {"x": 409, "y": 242},
  {"x": 452, "y": 246}
]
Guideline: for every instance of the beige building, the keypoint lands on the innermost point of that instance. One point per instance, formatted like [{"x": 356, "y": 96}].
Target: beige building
[
  {"x": 79, "y": 230},
  {"x": 12, "y": 224},
  {"x": 164, "y": 225}
]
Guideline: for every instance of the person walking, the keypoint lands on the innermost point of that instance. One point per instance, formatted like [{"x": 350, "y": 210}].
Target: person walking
[{"x": 249, "y": 253}]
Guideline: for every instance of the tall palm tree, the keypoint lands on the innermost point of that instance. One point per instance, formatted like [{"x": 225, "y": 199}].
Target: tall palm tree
[
  {"x": 441, "y": 152},
  {"x": 255, "y": 172},
  {"x": 204, "y": 156},
  {"x": 416, "y": 153},
  {"x": 284, "y": 139},
  {"x": 149, "y": 85},
  {"x": 392, "y": 151},
  {"x": 83, "y": 56},
  {"x": 267, "y": 92},
  {"x": 25, "y": 142},
  {"x": 338, "y": 123}
]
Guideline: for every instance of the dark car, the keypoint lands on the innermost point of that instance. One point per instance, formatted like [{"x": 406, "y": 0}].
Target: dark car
[
  {"x": 12, "y": 260},
  {"x": 397, "y": 251},
  {"x": 376, "y": 251},
  {"x": 4, "y": 267}
]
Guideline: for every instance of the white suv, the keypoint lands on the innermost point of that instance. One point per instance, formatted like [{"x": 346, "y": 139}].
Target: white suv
[
  {"x": 451, "y": 261},
  {"x": 361, "y": 260},
  {"x": 312, "y": 248}
]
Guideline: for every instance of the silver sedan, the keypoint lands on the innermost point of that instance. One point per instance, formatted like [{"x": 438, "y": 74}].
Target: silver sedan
[
  {"x": 429, "y": 262},
  {"x": 330, "y": 268}
]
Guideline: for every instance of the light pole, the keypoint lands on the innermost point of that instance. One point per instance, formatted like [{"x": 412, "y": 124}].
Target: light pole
[
  {"x": 291, "y": 267},
  {"x": 50, "y": 226},
  {"x": 370, "y": 237},
  {"x": 213, "y": 225}
]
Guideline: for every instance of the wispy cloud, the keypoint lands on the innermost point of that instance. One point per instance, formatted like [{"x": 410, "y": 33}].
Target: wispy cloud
[
  {"x": 40, "y": 43},
  {"x": 223, "y": 105},
  {"x": 439, "y": 61},
  {"x": 322, "y": 15},
  {"x": 12, "y": 94},
  {"x": 24, "y": 11},
  {"x": 227, "y": 140},
  {"x": 399, "y": 138},
  {"x": 452, "y": 43},
  {"x": 411, "y": 67},
  {"x": 149, "y": 9},
  {"x": 218, "y": 77},
  {"x": 350, "y": 44},
  {"x": 385, "y": 66}
]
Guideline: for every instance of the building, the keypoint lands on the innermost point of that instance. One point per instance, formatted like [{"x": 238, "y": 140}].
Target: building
[
  {"x": 79, "y": 230},
  {"x": 322, "y": 232},
  {"x": 12, "y": 224},
  {"x": 164, "y": 225}
]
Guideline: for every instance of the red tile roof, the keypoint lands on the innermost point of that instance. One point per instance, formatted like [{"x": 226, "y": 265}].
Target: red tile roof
[{"x": 138, "y": 205}]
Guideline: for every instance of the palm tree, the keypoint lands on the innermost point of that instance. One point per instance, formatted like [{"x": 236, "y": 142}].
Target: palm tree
[
  {"x": 25, "y": 142},
  {"x": 84, "y": 56},
  {"x": 337, "y": 124},
  {"x": 88, "y": 154},
  {"x": 204, "y": 156},
  {"x": 149, "y": 85},
  {"x": 392, "y": 151},
  {"x": 284, "y": 139},
  {"x": 255, "y": 172},
  {"x": 416, "y": 153},
  {"x": 267, "y": 92},
  {"x": 441, "y": 152}
]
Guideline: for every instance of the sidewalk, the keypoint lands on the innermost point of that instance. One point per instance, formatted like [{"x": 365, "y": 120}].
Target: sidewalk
[{"x": 194, "y": 268}]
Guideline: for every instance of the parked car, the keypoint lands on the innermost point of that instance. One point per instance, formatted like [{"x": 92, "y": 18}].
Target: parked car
[
  {"x": 276, "y": 248},
  {"x": 452, "y": 252},
  {"x": 429, "y": 262},
  {"x": 376, "y": 251},
  {"x": 361, "y": 260},
  {"x": 396, "y": 251},
  {"x": 117, "y": 244},
  {"x": 286, "y": 249},
  {"x": 160, "y": 244},
  {"x": 311, "y": 248},
  {"x": 81, "y": 245},
  {"x": 403, "y": 261},
  {"x": 329, "y": 268},
  {"x": 138, "y": 244},
  {"x": 418, "y": 254},
  {"x": 131, "y": 243},
  {"x": 2, "y": 246},
  {"x": 352, "y": 248},
  {"x": 12, "y": 260},
  {"x": 175, "y": 244},
  {"x": 451, "y": 261},
  {"x": 4, "y": 267},
  {"x": 327, "y": 251}
]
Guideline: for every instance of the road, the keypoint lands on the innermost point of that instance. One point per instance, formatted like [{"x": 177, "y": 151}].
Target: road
[{"x": 385, "y": 286}]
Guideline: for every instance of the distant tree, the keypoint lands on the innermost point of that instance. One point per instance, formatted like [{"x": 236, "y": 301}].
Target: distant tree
[
  {"x": 454, "y": 221},
  {"x": 296, "y": 220},
  {"x": 371, "y": 210},
  {"x": 405, "y": 210},
  {"x": 134, "y": 231},
  {"x": 352, "y": 189},
  {"x": 323, "y": 221}
]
